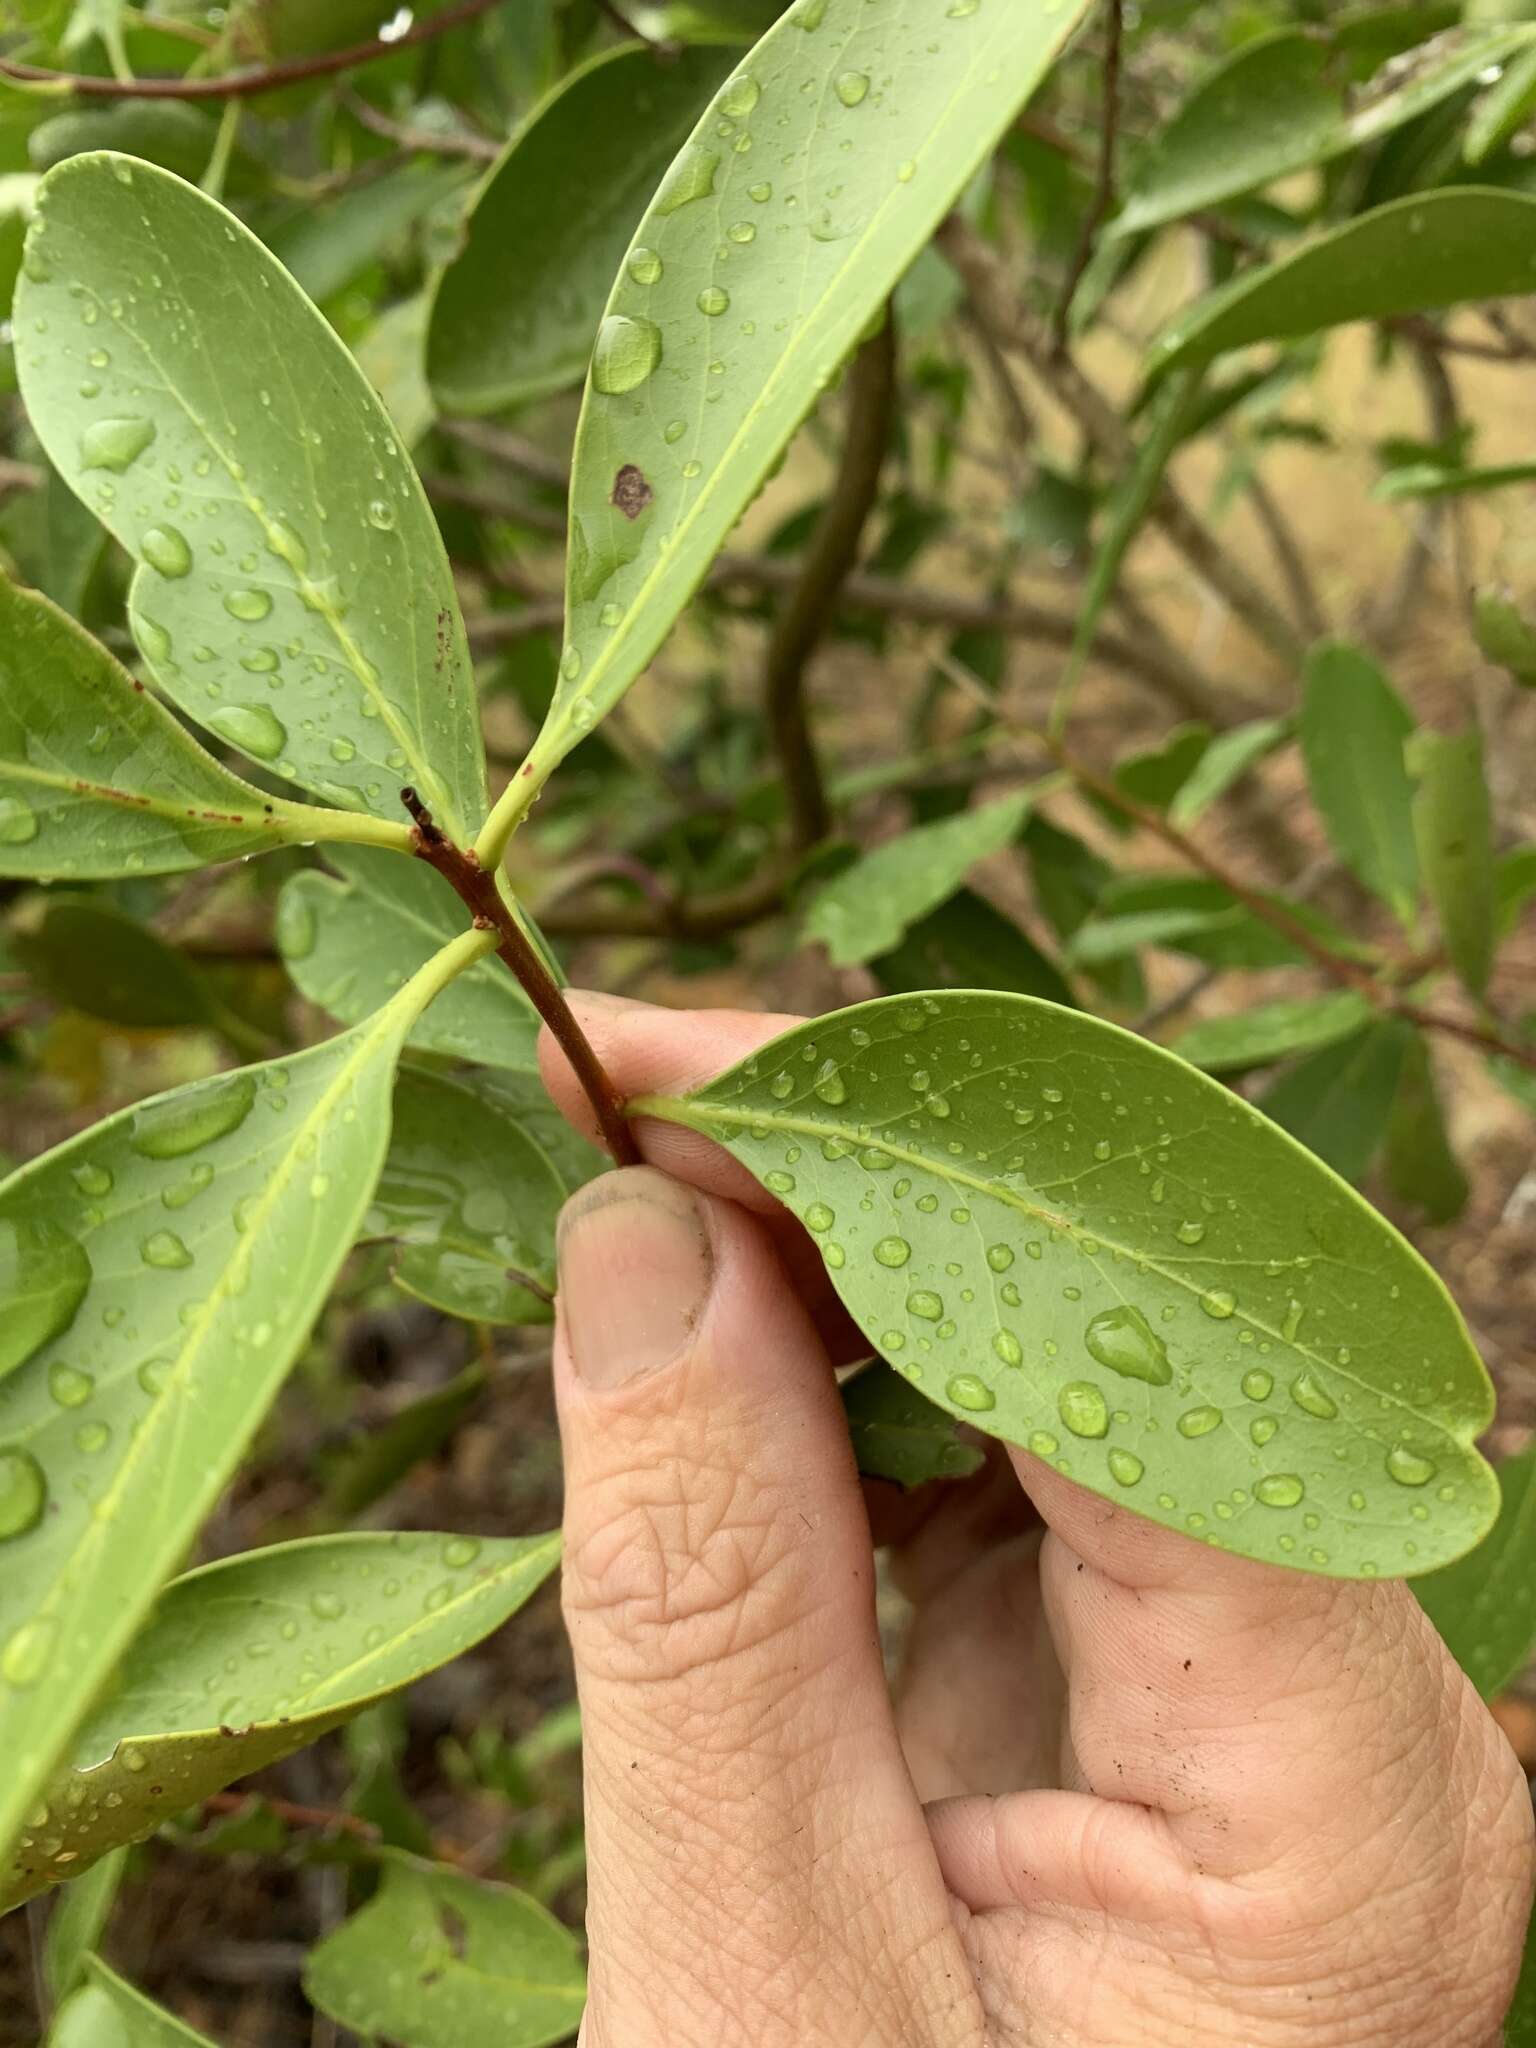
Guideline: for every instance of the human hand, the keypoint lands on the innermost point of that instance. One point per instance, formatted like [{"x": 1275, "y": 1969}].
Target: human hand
[{"x": 1131, "y": 1792}]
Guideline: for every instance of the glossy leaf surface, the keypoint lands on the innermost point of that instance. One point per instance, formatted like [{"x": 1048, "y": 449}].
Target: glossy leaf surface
[
  {"x": 516, "y": 310},
  {"x": 819, "y": 172},
  {"x": 293, "y": 595},
  {"x": 1353, "y": 730},
  {"x": 107, "y": 2012},
  {"x": 191, "y": 1241},
  {"x": 1453, "y": 825},
  {"x": 1070, "y": 1238},
  {"x": 312, "y": 1632},
  {"x": 1412, "y": 255},
  {"x": 97, "y": 778},
  {"x": 441, "y": 1962},
  {"x": 899, "y": 1436},
  {"x": 348, "y": 939},
  {"x": 471, "y": 1197},
  {"x": 1485, "y": 1604},
  {"x": 866, "y": 909}
]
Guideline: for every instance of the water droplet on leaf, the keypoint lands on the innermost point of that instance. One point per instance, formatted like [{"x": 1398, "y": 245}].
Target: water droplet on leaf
[
  {"x": 165, "y": 549},
  {"x": 969, "y": 1392},
  {"x": 1279, "y": 1490},
  {"x": 1125, "y": 1341},
  {"x": 115, "y": 443},
  {"x": 251, "y": 727},
  {"x": 1083, "y": 1409},
  {"x": 892, "y": 1251},
  {"x": 180, "y": 1124},
  {"x": 23, "y": 1493}
]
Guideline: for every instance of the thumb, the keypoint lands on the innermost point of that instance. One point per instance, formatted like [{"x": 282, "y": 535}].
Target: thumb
[{"x": 740, "y": 1755}]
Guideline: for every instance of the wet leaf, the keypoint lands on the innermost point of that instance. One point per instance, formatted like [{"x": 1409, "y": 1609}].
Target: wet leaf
[
  {"x": 516, "y": 310},
  {"x": 779, "y": 231},
  {"x": 1271, "y": 1031},
  {"x": 1453, "y": 826},
  {"x": 1353, "y": 729},
  {"x": 293, "y": 595},
  {"x": 1413, "y": 255},
  {"x": 1071, "y": 1239},
  {"x": 313, "y": 1631},
  {"x": 899, "y": 1436},
  {"x": 349, "y": 939},
  {"x": 212, "y": 1221},
  {"x": 107, "y": 2012},
  {"x": 1484, "y": 1605},
  {"x": 866, "y": 909},
  {"x": 471, "y": 1197},
  {"x": 1283, "y": 103},
  {"x": 442, "y": 1962},
  {"x": 97, "y": 778}
]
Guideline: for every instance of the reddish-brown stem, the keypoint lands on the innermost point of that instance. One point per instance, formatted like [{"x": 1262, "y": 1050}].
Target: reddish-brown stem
[
  {"x": 293, "y": 1816},
  {"x": 477, "y": 890},
  {"x": 248, "y": 84}
]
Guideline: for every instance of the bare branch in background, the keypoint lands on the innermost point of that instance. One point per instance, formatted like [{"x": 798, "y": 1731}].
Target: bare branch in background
[{"x": 1103, "y": 202}]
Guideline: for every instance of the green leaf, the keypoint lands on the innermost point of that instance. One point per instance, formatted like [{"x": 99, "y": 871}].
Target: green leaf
[
  {"x": 1502, "y": 633},
  {"x": 1413, "y": 255},
  {"x": 233, "y": 446},
  {"x": 516, "y": 310},
  {"x": 865, "y": 910},
  {"x": 347, "y": 940},
  {"x": 1514, "y": 882},
  {"x": 1338, "y": 1100},
  {"x": 107, "y": 964},
  {"x": 17, "y": 192},
  {"x": 762, "y": 279},
  {"x": 1453, "y": 826},
  {"x": 441, "y": 1962},
  {"x": 471, "y": 1197},
  {"x": 1504, "y": 108},
  {"x": 1421, "y": 480},
  {"x": 1070, "y": 1238},
  {"x": 966, "y": 943},
  {"x": 312, "y": 1633},
  {"x": 1485, "y": 1604},
  {"x": 899, "y": 1436},
  {"x": 1353, "y": 728},
  {"x": 1157, "y": 775},
  {"x": 1285, "y": 103},
  {"x": 106, "y": 2012},
  {"x": 1421, "y": 1167},
  {"x": 1224, "y": 764},
  {"x": 210, "y": 1223},
  {"x": 1272, "y": 1031},
  {"x": 365, "y": 1467},
  {"x": 1188, "y": 913},
  {"x": 97, "y": 778},
  {"x": 77, "y": 1922},
  {"x": 1520, "y": 2026},
  {"x": 326, "y": 248}
]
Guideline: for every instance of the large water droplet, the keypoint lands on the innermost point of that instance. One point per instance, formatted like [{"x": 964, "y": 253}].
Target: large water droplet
[
  {"x": 18, "y": 821},
  {"x": 691, "y": 177},
  {"x": 28, "y": 1653},
  {"x": 969, "y": 1392},
  {"x": 1219, "y": 1303},
  {"x": 459, "y": 1551},
  {"x": 999, "y": 1257},
  {"x": 44, "y": 1274},
  {"x": 740, "y": 96},
  {"x": 165, "y": 1250},
  {"x": 152, "y": 637},
  {"x": 627, "y": 349},
  {"x": 1125, "y": 1341},
  {"x": 819, "y": 1217},
  {"x": 23, "y": 1493},
  {"x": 249, "y": 605},
  {"x": 251, "y": 727},
  {"x": 165, "y": 549},
  {"x": 851, "y": 87},
  {"x": 1125, "y": 1467},
  {"x": 1408, "y": 1468},
  {"x": 1279, "y": 1489},
  {"x": 714, "y": 300},
  {"x": 1008, "y": 1348},
  {"x": 644, "y": 265},
  {"x": 829, "y": 1085},
  {"x": 925, "y": 1304},
  {"x": 1258, "y": 1384},
  {"x": 1083, "y": 1409},
  {"x": 181, "y": 1123},
  {"x": 1190, "y": 1233},
  {"x": 1312, "y": 1399},
  {"x": 1197, "y": 1422},
  {"x": 893, "y": 1251},
  {"x": 115, "y": 443},
  {"x": 92, "y": 1179},
  {"x": 288, "y": 545},
  {"x": 70, "y": 1387}
]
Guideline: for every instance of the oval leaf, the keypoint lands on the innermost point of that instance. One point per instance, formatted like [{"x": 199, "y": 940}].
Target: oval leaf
[
  {"x": 315, "y": 1630},
  {"x": 1453, "y": 826},
  {"x": 1353, "y": 729},
  {"x": 347, "y": 941},
  {"x": 106, "y": 2012},
  {"x": 1413, "y": 255},
  {"x": 899, "y": 1436},
  {"x": 803, "y": 194},
  {"x": 1070, "y": 1238},
  {"x": 293, "y": 594},
  {"x": 209, "y": 1223},
  {"x": 1272, "y": 1031},
  {"x": 471, "y": 1197},
  {"x": 442, "y": 1962},
  {"x": 516, "y": 310},
  {"x": 97, "y": 778}
]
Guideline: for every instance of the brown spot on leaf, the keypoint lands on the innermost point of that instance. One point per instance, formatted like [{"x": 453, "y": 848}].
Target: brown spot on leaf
[{"x": 631, "y": 492}]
